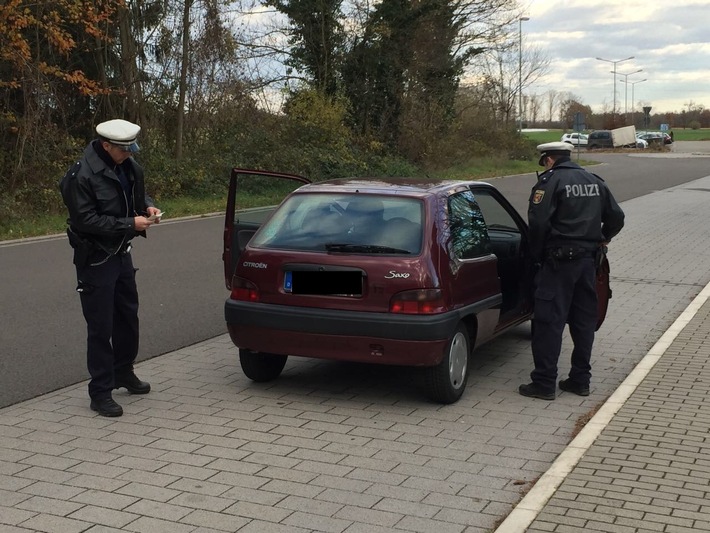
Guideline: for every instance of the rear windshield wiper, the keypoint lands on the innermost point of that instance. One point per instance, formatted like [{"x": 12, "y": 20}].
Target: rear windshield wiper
[{"x": 364, "y": 248}]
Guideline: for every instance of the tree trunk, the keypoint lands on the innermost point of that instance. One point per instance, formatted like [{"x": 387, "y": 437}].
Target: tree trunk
[
  {"x": 183, "y": 79},
  {"x": 129, "y": 69}
]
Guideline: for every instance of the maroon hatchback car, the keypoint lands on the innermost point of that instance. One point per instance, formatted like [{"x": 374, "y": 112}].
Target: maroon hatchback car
[{"x": 391, "y": 271}]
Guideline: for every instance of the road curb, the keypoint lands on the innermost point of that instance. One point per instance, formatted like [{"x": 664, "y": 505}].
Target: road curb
[{"x": 535, "y": 500}]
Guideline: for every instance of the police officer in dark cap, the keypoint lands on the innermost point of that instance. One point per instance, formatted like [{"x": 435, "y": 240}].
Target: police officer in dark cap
[
  {"x": 105, "y": 195},
  {"x": 572, "y": 216}
]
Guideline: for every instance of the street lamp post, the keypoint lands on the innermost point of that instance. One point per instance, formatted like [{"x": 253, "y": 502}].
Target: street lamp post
[
  {"x": 626, "y": 90},
  {"x": 613, "y": 111},
  {"x": 520, "y": 72},
  {"x": 633, "y": 110}
]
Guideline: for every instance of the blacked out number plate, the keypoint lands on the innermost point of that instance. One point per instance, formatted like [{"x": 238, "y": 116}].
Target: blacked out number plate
[{"x": 319, "y": 282}]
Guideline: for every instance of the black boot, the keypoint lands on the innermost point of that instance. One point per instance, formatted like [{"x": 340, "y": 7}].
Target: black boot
[
  {"x": 106, "y": 407},
  {"x": 131, "y": 382},
  {"x": 568, "y": 385},
  {"x": 533, "y": 390}
]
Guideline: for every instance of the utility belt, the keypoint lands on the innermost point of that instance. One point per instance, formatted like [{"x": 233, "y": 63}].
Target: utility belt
[
  {"x": 569, "y": 252},
  {"x": 86, "y": 250}
]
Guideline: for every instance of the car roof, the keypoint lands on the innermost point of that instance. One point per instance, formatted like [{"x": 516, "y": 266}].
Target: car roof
[{"x": 390, "y": 186}]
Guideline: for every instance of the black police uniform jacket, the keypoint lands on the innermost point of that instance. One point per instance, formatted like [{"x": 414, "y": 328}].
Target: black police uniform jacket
[
  {"x": 570, "y": 206},
  {"x": 97, "y": 204}
]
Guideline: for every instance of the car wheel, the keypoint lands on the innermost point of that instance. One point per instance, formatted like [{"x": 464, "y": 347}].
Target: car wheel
[
  {"x": 447, "y": 380},
  {"x": 259, "y": 366}
]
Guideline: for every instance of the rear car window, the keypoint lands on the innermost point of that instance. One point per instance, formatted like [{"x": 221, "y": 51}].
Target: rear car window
[
  {"x": 600, "y": 135},
  {"x": 344, "y": 222}
]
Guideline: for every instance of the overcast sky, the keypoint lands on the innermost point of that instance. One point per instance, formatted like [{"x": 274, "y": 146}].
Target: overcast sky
[{"x": 669, "y": 39}]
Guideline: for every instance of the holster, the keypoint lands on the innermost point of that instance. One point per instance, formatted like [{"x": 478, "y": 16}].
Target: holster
[
  {"x": 600, "y": 256},
  {"x": 82, "y": 248}
]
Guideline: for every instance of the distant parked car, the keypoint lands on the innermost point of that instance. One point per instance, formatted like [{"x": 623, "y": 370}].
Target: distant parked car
[
  {"x": 605, "y": 139},
  {"x": 653, "y": 138},
  {"x": 577, "y": 139},
  {"x": 600, "y": 139}
]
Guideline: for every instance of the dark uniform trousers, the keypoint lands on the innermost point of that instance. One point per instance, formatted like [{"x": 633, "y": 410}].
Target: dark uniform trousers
[
  {"x": 109, "y": 301},
  {"x": 565, "y": 293}
]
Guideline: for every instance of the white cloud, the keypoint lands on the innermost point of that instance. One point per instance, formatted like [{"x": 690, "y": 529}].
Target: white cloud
[{"x": 669, "y": 41}]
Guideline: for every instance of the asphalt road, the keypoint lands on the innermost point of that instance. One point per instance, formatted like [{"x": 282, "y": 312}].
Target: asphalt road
[
  {"x": 629, "y": 175},
  {"x": 181, "y": 284}
]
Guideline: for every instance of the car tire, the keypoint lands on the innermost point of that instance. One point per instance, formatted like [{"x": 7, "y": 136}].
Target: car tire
[
  {"x": 259, "y": 366},
  {"x": 447, "y": 380}
]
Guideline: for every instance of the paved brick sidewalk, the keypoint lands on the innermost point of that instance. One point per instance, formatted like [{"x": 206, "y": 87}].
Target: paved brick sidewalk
[
  {"x": 355, "y": 448},
  {"x": 649, "y": 470},
  {"x": 642, "y": 463}
]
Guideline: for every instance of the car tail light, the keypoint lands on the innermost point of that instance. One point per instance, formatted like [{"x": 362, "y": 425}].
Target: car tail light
[
  {"x": 244, "y": 290},
  {"x": 418, "y": 302}
]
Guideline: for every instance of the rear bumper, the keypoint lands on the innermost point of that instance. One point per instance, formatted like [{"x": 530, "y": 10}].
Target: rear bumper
[{"x": 411, "y": 340}]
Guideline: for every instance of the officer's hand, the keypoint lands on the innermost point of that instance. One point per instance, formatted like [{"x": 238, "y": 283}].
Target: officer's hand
[
  {"x": 154, "y": 211},
  {"x": 141, "y": 223}
]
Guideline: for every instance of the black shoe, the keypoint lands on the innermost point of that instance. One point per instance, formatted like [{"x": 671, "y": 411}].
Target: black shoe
[
  {"x": 568, "y": 385},
  {"x": 106, "y": 407},
  {"x": 531, "y": 390},
  {"x": 132, "y": 384}
]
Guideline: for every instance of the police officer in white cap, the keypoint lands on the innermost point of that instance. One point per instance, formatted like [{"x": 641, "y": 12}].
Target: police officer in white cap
[
  {"x": 105, "y": 195},
  {"x": 572, "y": 215}
]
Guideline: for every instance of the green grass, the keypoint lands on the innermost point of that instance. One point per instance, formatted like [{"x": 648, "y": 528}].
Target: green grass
[
  {"x": 482, "y": 169},
  {"x": 189, "y": 206},
  {"x": 691, "y": 135},
  {"x": 486, "y": 169},
  {"x": 182, "y": 207},
  {"x": 548, "y": 136},
  {"x": 51, "y": 224},
  {"x": 37, "y": 226}
]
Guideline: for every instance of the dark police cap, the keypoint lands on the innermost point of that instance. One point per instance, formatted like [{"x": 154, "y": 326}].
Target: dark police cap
[
  {"x": 121, "y": 133},
  {"x": 555, "y": 148}
]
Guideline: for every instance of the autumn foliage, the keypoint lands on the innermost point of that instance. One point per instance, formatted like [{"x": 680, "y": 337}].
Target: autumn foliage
[
  {"x": 317, "y": 90},
  {"x": 44, "y": 45},
  {"x": 36, "y": 38}
]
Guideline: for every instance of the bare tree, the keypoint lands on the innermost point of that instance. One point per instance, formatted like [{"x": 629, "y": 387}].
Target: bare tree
[
  {"x": 571, "y": 105},
  {"x": 182, "y": 85},
  {"x": 553, "y": 99},
  {"x": 508, "y": 70},
  {"x": 534, "y": 106}
]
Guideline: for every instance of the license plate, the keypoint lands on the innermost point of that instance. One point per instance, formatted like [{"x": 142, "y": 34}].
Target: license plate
[{"x": 323, "y": 283}]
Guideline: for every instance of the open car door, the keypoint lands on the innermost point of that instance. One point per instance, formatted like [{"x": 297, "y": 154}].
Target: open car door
[
  {"x": 603, "y": 290},
  {"x": 240, "y": 226}
]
